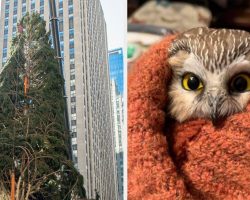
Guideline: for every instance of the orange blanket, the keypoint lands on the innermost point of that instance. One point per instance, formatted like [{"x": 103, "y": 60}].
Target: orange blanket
[{"x": 192, "y": 160}]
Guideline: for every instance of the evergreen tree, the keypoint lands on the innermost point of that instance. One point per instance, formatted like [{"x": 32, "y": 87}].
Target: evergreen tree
[{"x": 34, "y": 144}]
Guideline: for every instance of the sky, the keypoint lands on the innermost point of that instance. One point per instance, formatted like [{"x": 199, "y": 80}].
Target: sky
[{"x": 115, "y": 13}]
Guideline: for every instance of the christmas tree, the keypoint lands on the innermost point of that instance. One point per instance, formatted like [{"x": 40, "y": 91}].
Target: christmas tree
[{"x": 34, "y": 144}]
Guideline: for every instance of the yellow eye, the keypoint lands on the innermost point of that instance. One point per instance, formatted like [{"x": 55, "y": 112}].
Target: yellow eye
[
  {"x": 191, "y": 82},
  {"x": 240, "y": 83}
]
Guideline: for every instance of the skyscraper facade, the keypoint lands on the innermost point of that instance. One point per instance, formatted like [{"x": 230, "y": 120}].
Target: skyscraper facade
[
  {"x": 83, "y": 43},
  {"x": 116, "y": 76},
  {"x": 118, "y": 118},
  {"x": 116, "y": 67}
]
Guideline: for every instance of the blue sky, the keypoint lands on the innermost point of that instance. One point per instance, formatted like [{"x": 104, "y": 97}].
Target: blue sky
[{"x": 115, "y": 13}]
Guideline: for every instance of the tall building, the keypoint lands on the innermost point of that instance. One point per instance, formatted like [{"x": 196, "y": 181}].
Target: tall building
[
  {"x": 116, "y": 76},
  {"x": 118, "y": 118},
  {"x": 116, "y": 67},
  {"x": 83, "y": 42}
]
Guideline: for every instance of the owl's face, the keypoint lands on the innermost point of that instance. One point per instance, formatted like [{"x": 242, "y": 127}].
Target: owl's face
[{"x": 211, "y": 73}]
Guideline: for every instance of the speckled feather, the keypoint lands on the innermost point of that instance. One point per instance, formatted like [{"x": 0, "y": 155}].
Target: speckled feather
[
  {"x": 215, "y": 48},
  {"x": 215, "y": 56}
]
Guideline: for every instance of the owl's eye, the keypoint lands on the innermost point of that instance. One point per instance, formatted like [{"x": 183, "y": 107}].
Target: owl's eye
[
  {"x": 240, "y": 83},
  {"x": 191, "y": 82}
]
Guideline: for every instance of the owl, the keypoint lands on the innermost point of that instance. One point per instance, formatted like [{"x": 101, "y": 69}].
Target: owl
[{"x": 211, "y": 73}]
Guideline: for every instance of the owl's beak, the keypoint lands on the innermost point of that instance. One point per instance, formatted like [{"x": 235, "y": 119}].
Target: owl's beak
[
  {"x": 214, "y": 101},
  {"x": 214, "y": 114}
]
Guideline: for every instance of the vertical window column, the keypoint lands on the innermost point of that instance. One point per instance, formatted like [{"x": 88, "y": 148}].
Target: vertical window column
[
  {"x": 42, "y": 8},
  {"x": 71, "y": 38},
  {"x": 73, "y": 116},
  {"x": 15, "y": 18},
  {"x": 23, "y": 7},
  {"x": 33, "y": 5},
  {"x": 6, "y": 31},
  {"x": 73, "y": 120}
]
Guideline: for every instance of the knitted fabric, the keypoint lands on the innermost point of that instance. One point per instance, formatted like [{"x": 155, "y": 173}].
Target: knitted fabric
[{"x": 191, "y": 160}]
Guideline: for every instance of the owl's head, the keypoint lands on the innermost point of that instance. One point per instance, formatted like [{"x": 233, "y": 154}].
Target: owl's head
[{"x": 211, "y": 73}]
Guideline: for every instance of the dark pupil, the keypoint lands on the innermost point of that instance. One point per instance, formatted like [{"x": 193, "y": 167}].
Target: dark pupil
[
  {"x": 193, "y": 82},
  {"x": 240, "y": 84}
]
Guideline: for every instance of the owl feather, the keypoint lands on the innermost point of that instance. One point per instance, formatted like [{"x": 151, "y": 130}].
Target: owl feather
[{"x": 211, "y": 73}]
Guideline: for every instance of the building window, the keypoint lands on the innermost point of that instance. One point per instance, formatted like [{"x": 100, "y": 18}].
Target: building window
[
  {"x": 74, "y": 159},
  {"x": 73, "y": 99},
  {"x": 60, "y": 4},
  {"x": 72, "y": 77},
  {"x": 73, "y": 122},
  {"x": 72, "y": 88},
  {"x": 62, "y": 46},
  {"x": 23, "y": 1},
  {"x": 60, "y": 13},
  {"x": 73, "y": 134},
  {"x": 6, "y": 31},
  {"x": 15, "y": 11},
  {"x": 71, "y": 55},
  {"x": 71, "y": 10},
  {"x": 5, "y": 43},
  {"x": 14, "y": 19},
  {"x": 71, "y": 22},
  {"x": 71, "y": 44},
  {"x": 41, "y": 10},
  {"x": 41, "y": 2},
  {"x": 24, "y": 9},
  {"x": 15, "y": 3},
  {"x": 6, "y": 15},
  {"x": 5, "y": 53},
  {"x": 4, "y": 61},
  {"x": 61, "y": 26},
  {"x": 71, "y": 34},
  {"x": 72, "y": 66},
  {"x": 7, "y": 6},
  {"x": 74, "y": 146},
  {"x": 73, "y": 93},
  {"x": 73, "y": 116},
  {"x": 70, "y": 2},
  {"x": 61, "y": 37},
  {"x": 73, "y": 128},
  {"x": 72, "y": 71},
  {"x": 14, "y": 29},
  {"x": 33, "y": 6},
  {"x": 73, "y": 109},
  {"x": 6, "y": 22}
]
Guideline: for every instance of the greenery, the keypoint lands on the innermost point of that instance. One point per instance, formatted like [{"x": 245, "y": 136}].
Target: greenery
[{"x": 33, "y": 141}]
